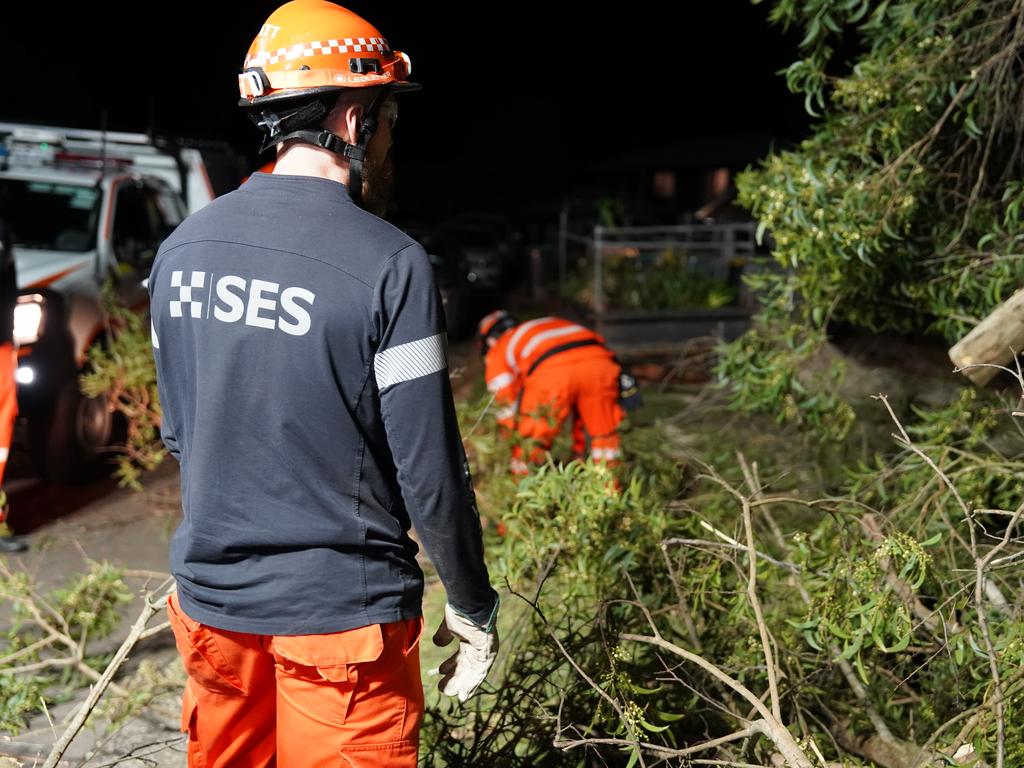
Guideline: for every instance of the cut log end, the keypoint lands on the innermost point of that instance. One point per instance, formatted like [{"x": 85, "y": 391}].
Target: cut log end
[{"x": 992, "y": 341}]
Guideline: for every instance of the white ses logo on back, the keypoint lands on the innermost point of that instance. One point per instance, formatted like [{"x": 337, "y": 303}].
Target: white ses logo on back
[{"x": 232, "y": 298}]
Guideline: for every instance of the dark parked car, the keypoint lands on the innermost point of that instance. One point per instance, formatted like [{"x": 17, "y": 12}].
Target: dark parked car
[
  {"x": 481, "y": 253},
  {"x": 490, "y": 248},
  {"x": 450, "y": 274}
]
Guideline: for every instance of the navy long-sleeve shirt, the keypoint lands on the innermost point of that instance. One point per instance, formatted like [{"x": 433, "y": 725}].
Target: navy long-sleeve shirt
[{"x": 301, "y": 365}]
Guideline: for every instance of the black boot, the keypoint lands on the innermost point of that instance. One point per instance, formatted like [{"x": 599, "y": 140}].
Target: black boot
[
  {"x": 12, "y": 544},
  {"x": 8, "y": 542}
]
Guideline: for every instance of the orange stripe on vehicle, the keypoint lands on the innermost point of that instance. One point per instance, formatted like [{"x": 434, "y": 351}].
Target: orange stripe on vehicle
[
  {"x": 96, "y": 331},
  {"x": 54, "y": 278},
  {"x": 206, "y": 180},
  {"x": 108, "y": 224}
]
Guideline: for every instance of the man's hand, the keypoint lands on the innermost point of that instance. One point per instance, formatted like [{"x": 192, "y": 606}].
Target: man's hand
[{"x": 464, "y": 671}]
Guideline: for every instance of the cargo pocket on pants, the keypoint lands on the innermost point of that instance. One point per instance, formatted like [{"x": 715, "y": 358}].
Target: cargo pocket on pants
[
  {"x": 203, "y": 660},
  {"x": 397, "y": 754},
  {"x": 323, "y": 670}
]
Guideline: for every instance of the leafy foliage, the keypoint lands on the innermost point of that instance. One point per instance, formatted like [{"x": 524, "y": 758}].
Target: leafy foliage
[
  {"x": 902, "y": 210},
  {"x": 569, "y": 536},
  {"x": 762, "y": 371},
  {"x": 46, "y": 650},
  {"x": 881, "y": 576},
  {"x": 124, "y": 371}
]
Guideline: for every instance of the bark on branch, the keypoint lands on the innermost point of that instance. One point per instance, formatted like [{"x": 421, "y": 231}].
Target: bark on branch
[{"x": 149, "y": 608}]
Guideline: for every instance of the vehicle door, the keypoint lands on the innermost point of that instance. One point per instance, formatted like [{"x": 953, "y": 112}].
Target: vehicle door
[{"x": 145, "y": 212}]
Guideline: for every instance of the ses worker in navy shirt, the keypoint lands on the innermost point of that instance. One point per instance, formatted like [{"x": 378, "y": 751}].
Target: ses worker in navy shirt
[{"x": 301, "y": 359}]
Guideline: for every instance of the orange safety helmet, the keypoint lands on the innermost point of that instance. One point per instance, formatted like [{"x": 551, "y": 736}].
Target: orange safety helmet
[
  {"x": 492, "y": 327},
  {"x": 307, "y": 52},
  {"x": 308, "y": 47}
]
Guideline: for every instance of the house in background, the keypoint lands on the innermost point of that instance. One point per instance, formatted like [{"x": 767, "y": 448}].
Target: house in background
[{"x": 688, "y": 181}]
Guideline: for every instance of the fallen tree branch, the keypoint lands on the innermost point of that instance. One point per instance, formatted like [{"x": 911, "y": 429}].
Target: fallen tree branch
[
  {"x": 979, "y": 581},
  {"x": 877, "y": 721},
  {"x": 572, "y": 662},
  {"x": 732, "y": 545},
  {"x": 894, "y": 753},
  {"x": 751, "y": 730},
  {"x": 149, "y": 608},
  {"x": 684, "y": 608},
  {"x": 774, "y": 729},
  {"x": 755, "y": 602}
]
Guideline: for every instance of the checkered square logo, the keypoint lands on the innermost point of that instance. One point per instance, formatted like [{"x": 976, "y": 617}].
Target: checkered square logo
[{"x": 185, "y": 297}]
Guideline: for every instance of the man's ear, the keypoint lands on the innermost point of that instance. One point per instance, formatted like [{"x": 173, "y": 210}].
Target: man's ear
[{"x": 354, "y": 115}]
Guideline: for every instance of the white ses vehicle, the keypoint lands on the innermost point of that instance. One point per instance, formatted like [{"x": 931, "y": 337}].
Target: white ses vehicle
[{"x": 75, "y": 223}]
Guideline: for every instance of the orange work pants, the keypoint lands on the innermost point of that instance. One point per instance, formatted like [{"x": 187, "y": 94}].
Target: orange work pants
[
  {"x": 8, "y": 405},
  {"x": 577, "y": 383},
  {"x": 350, "y": 699}
]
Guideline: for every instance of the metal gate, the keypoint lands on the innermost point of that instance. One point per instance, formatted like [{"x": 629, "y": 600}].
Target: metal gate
[{"x": 661, "y": 285}]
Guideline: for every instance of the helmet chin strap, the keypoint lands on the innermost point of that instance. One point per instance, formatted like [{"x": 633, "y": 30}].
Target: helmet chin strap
[
  {"x": 277, "y": 130},
  {"x": 366, "y": 131}
]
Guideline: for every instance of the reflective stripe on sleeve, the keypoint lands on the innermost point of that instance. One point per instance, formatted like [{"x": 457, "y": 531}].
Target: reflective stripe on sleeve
[
  {"x": 410, "y": 361},
  {"x": 500, "y": 382}
]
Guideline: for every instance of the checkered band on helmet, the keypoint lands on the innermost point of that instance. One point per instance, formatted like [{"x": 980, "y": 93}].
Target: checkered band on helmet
[{"x": 317, "y": 48}]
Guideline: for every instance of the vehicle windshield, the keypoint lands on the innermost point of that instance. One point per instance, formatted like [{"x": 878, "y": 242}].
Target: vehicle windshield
[{"x": 49, "y": 215}]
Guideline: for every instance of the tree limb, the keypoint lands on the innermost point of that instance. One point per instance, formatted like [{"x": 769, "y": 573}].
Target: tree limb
[{"x": 96, "y": 692}]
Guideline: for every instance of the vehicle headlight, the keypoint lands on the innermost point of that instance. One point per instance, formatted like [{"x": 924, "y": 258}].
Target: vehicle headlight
[{"x": 28, "y": 318}]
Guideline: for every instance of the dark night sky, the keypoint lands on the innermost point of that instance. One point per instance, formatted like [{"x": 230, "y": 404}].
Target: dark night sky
[{"x": 519, "y": 100}]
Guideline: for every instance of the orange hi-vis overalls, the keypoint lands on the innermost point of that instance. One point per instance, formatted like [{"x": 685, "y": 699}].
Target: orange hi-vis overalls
[{"x": 544, "y": 370}]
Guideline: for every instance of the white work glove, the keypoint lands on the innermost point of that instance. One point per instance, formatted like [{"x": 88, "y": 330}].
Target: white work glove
[{"x": 464, "y": 671}]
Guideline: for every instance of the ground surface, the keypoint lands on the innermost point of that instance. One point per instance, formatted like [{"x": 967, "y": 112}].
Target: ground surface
[{"x": 132, "y": 530}]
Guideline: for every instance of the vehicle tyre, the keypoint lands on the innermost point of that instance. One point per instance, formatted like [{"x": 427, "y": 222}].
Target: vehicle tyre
[{"x": 73, "y": 444}]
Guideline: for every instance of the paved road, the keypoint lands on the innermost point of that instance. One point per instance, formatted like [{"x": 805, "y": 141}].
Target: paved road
[{"x": 128, "y": 529}]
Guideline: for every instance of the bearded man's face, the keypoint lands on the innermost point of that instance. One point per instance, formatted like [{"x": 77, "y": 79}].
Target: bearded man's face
[{"x": 378, "y": 178}]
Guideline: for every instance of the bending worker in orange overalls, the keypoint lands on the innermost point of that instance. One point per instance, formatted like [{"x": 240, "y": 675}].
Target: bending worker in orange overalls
[{"x": 541, "y": 372}]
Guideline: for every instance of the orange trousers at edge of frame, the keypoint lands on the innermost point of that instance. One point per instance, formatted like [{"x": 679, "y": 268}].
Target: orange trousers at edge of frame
[
  {"x": 8, "y": 406},
  {"x": 351, "y": 699}
]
